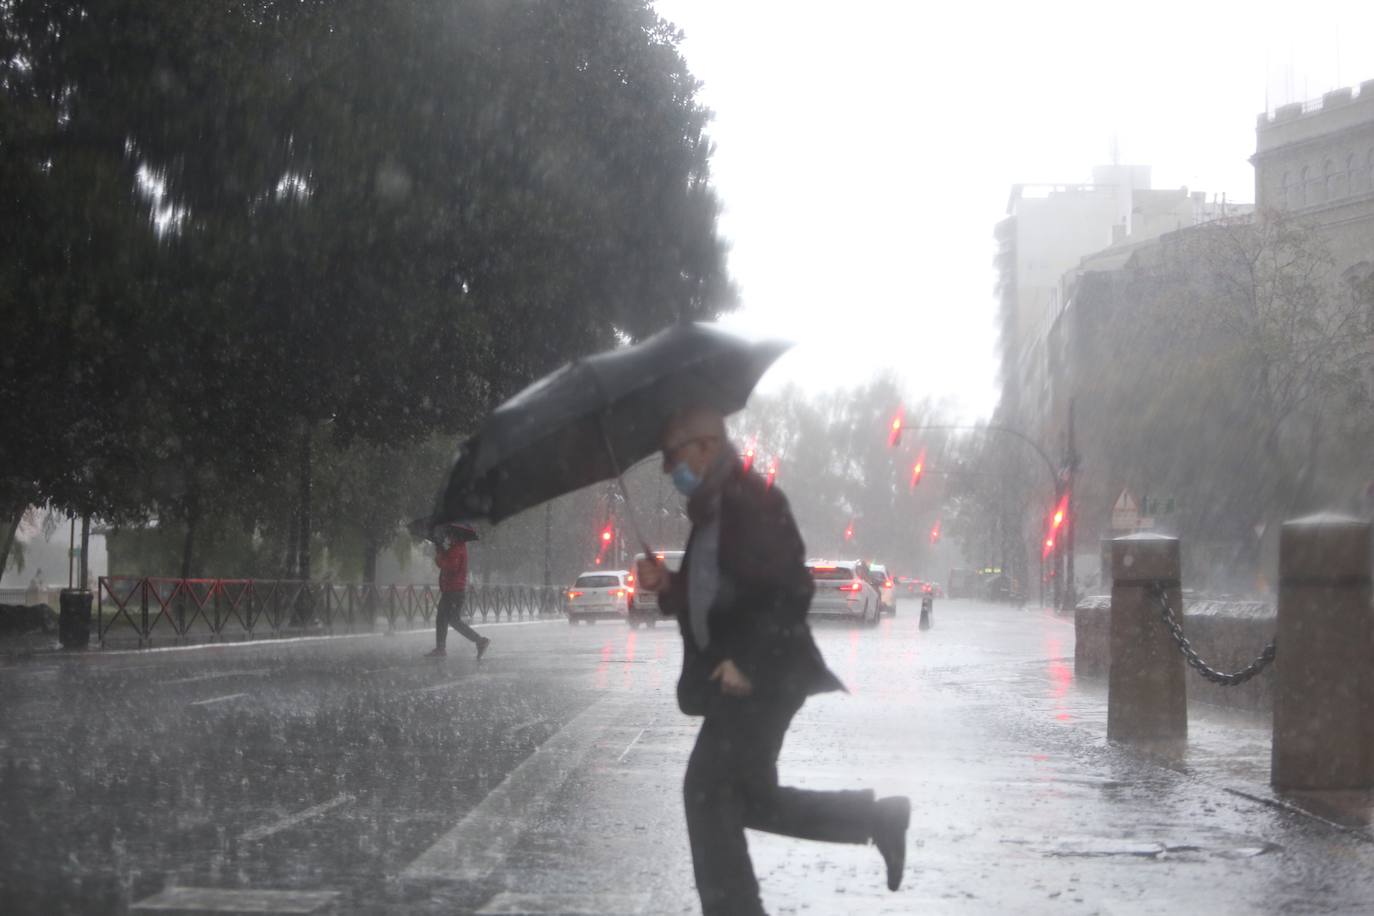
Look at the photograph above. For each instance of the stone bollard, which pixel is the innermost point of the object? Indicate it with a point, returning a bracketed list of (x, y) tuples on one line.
[(1147, 700), (927, 608), (1324, 693)]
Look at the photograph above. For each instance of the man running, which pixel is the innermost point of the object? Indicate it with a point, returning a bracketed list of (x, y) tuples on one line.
[(741, 597)]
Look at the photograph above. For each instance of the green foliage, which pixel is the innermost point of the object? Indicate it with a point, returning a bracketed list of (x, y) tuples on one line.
[(228, 226)]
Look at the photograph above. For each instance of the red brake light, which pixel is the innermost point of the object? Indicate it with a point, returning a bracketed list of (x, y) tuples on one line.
[(854, 586), (572, 594), (620, 593)]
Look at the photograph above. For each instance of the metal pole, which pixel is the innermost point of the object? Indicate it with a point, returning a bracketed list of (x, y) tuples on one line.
[(1070, 523), (548, 536), (85, 548)]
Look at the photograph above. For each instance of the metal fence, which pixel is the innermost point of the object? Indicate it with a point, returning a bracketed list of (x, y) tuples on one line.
[(144, 606)]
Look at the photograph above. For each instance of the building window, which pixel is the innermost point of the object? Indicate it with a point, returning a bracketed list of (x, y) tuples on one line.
[(1354, 177), (1303, 181), (1337, 182), (1331, 183)]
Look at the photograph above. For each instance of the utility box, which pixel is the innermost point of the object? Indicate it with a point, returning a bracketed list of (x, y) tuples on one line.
[(74, 619)]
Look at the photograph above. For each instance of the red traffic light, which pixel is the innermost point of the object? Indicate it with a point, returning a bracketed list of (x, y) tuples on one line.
[(748, 458), (935, 533), (772, 471), (918, 469), (894, 434)]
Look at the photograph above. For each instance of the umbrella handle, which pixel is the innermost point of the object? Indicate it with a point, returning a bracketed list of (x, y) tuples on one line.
[(620, 479)]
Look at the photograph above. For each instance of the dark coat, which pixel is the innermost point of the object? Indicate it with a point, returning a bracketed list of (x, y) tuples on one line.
[(761, 625)]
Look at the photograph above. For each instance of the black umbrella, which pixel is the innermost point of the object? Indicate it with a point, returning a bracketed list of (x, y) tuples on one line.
[(596, 416), (428, 528)]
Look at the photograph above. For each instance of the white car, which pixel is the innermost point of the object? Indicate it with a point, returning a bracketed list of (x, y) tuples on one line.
[(608, 593), (843, 590), (645, 608)]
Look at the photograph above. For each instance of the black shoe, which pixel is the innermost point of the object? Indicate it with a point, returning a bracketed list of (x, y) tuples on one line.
[(482, 644), (436, 652), (891, 816)]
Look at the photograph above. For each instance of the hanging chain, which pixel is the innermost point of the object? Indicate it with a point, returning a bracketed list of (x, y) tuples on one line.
[(1161, 597)]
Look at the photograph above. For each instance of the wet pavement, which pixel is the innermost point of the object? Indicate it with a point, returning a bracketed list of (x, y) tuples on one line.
[(352, 775)]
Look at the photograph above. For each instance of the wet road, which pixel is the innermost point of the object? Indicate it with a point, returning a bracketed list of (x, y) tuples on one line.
[(351, 775)]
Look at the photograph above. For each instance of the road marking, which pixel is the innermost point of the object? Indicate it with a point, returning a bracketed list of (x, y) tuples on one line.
[(225, 698), (291, 820), (288, 640), (507, 904), (434, 688), (230, 900), (629, 747), (245, 672), (480, 842)]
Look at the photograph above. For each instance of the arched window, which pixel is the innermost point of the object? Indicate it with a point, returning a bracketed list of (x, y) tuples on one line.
[(1331, 179), (1317, 193), (1303, 180), (1338, 185), (1355, 182), (1286, 196), (1369, 168)]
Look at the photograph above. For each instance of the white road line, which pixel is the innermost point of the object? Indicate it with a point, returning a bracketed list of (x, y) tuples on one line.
[(248, 672), (235, 900), (629, 747), (565, 904), (291, 820), (290, 640), (434, 688), (223, 699), (480, 842)]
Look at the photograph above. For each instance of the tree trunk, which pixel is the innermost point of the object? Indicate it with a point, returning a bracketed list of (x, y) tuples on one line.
[(303, 570), (288, 562), (188, 543), (9, 527), (83, 582), (370, 551)]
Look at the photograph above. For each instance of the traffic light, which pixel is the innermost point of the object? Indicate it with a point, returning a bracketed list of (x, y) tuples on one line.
[(748, 459), (935, 532), (849, 532), (1061, 512), (772, 471), (918, 469), (894, 433)]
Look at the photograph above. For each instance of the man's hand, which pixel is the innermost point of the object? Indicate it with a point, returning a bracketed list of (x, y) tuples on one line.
[(732, 680), (651, 575)]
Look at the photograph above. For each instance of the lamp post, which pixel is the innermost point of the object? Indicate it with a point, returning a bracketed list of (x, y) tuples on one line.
[(1062, 479)]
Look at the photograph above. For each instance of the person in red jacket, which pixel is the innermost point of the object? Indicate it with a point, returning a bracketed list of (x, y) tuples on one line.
[(451, 556)]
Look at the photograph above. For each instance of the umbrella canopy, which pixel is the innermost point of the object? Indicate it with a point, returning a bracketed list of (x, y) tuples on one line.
[(429, 528), (596, 416)]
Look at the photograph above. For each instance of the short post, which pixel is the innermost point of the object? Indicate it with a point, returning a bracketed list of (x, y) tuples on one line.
[(927, 606), (1147, 700), (1324, 695)]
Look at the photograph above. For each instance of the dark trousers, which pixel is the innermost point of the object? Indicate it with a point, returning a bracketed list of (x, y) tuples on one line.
[(732, 783), (450, 613)]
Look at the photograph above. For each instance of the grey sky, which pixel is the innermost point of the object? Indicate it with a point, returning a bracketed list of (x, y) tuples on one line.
[(865, 149)]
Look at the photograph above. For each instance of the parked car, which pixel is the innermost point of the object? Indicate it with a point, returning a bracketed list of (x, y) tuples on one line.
[(843, 590), (601, 594), (645, 608), (885, 586)]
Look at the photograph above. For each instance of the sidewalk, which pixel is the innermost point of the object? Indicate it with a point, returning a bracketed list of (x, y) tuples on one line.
[(1021, 806)]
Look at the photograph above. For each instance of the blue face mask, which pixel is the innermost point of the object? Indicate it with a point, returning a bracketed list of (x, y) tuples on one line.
[(683, 478)]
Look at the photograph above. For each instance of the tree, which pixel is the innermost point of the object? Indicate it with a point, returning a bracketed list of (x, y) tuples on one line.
[(241, 224)]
